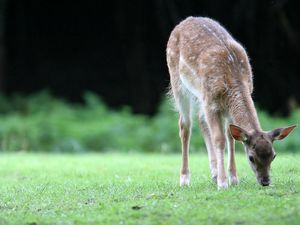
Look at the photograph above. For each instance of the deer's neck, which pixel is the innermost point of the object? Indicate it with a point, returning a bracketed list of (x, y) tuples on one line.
[(242, 111)]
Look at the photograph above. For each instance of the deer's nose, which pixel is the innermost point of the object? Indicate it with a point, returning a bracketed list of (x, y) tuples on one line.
[(265, 181)]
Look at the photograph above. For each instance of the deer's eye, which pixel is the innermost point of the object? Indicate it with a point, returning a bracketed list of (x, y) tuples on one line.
[(251, 158)]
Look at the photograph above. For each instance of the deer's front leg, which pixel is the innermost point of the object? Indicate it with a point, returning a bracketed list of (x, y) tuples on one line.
[(233, 179), (209, 147), (214, 122), (184, 133)]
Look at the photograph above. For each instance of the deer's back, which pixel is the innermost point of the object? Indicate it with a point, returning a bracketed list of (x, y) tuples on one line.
[(203, 54)]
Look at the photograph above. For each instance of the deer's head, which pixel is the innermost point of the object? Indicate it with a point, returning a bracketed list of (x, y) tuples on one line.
[(259, 149)]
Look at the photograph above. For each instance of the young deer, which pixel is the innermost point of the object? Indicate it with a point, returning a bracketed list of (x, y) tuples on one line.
[(208, 68)]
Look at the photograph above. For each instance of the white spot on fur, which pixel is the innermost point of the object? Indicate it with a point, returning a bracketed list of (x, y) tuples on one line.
[(170, 52), (202, 66)]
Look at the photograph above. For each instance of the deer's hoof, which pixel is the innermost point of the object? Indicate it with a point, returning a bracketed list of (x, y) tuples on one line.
[(184, 180), (222, 185), (233, 180)]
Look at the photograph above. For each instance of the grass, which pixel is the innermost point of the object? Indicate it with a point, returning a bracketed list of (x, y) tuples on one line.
[(140, 189)]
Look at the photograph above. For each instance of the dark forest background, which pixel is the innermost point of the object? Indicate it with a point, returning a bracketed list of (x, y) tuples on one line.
[(117, 49)]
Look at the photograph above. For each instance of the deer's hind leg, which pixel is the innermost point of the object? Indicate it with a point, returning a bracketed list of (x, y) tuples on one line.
[(183, 104)]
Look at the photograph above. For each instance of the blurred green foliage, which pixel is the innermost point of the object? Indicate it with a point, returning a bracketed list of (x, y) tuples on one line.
[(43, 123)]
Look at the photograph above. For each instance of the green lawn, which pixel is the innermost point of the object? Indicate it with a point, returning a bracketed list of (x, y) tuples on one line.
[(140, 189)]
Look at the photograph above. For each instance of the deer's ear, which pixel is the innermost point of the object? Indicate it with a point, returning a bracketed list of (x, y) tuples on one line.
[(238, 133), (280, 133)]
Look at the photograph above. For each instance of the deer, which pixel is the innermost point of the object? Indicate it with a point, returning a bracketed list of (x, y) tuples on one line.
[(210, 73)]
